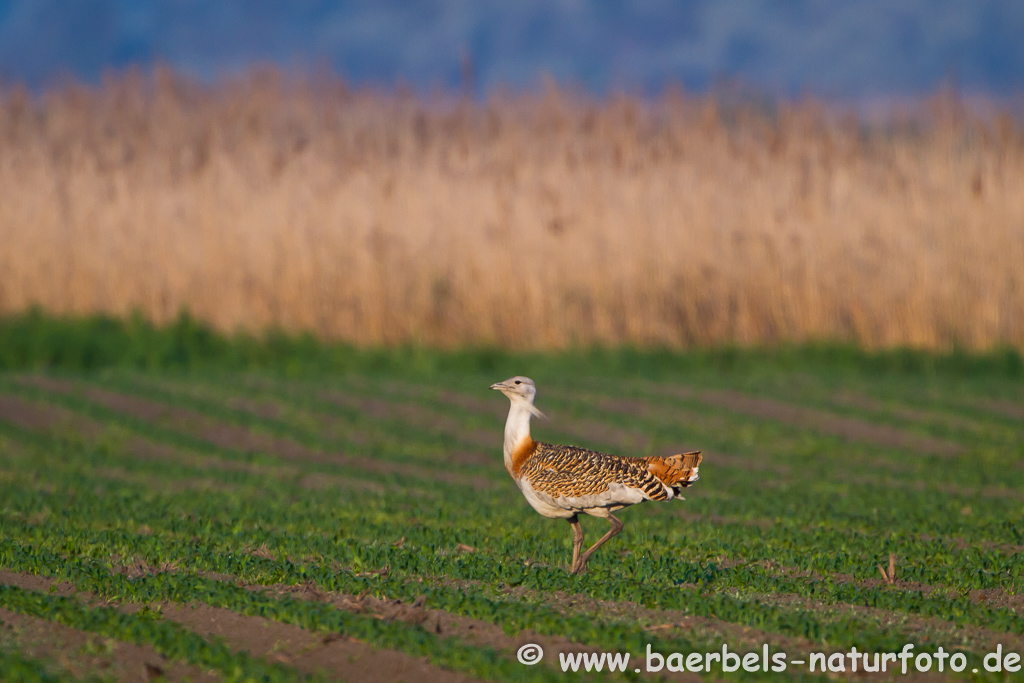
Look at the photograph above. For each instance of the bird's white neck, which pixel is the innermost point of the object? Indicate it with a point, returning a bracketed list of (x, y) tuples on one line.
[(517, 428)]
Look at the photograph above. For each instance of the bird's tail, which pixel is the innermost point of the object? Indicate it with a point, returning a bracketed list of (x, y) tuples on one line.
[(676, 471)]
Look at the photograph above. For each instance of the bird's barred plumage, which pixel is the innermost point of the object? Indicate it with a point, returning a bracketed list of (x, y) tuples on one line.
[(570, 472)]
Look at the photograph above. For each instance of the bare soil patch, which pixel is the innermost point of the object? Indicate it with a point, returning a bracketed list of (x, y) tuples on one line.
[(290, 645), (739, 637), (335, 654), (664, 622), (399, 406), (853, 399), (238, 437), (482, 444), (415, 415), (487, 403), (946, 488), (34, 582), (746, 638), (656, 621), (595, 433), (270, 410), (42, 417), (977, 638), (828, 423), (1009, 409), (45, 639), (83, 654), (45, 418), (330, 425), (822, 421), (1009, 548), (474, 632), (475, 404)]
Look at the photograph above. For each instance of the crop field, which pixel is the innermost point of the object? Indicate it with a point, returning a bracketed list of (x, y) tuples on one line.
[(209, 524)]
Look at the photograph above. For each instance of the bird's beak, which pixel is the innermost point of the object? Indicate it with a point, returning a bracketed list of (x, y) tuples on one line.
[(499, 386)]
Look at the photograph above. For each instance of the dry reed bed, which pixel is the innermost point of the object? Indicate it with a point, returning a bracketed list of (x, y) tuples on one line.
[(527, 220)]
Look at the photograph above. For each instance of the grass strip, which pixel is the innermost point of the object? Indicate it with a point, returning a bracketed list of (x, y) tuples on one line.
[(484, 662), (478, 601), (35, 339), (146, 627), (363, 519), (190, 588), (158, 433), (17, 668)]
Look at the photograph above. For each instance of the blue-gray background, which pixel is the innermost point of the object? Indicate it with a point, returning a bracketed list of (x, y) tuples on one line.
[(841, 48)]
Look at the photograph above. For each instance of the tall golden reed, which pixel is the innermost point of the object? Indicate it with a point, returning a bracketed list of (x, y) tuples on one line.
[(528, 220)]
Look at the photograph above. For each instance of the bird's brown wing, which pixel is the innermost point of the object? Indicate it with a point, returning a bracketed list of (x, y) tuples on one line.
[(572, 472)]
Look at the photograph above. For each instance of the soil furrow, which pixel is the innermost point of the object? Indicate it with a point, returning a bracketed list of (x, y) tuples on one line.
[(242, 438), (83, 654), (48, 418), (334, 654), (849, 428)]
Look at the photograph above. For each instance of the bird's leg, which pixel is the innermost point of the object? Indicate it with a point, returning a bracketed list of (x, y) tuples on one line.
[(577, 542), (616, 528)]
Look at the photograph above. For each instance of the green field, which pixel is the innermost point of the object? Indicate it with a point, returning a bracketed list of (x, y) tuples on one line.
[(353, 520)]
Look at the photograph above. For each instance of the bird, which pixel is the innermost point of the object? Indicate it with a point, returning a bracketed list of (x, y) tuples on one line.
[(560, 482)]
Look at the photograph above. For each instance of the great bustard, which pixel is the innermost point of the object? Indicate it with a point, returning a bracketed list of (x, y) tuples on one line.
[(562, 481)]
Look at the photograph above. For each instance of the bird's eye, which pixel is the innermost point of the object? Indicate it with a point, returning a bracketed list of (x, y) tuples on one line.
[(518, 382)]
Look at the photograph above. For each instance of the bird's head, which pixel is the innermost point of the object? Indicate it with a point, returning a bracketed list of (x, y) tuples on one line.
[(519, 390)]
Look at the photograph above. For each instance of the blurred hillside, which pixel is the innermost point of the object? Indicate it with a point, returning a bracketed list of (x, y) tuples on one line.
[(849, 50)]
